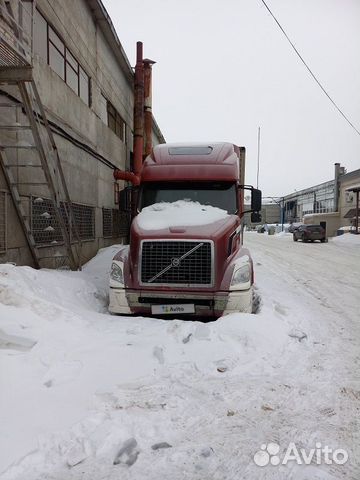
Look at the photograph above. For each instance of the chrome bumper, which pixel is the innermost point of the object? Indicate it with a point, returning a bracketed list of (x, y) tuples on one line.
[(128, 301)]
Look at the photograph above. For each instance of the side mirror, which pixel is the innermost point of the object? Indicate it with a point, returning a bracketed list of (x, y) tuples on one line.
[(255, 217), (255, 200)]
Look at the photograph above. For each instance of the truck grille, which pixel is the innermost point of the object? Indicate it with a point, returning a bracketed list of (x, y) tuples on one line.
[(176, 262)]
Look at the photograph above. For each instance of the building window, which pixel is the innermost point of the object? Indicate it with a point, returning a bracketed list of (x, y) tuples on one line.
[(84, 86), (56, 61), (53, 50), (44, 223), (45, 226), (85, 221), (120, 224), (349, 197), (115, 121), (3, 221), (40, 36), (107, 222), (115, 224), (103, 109)]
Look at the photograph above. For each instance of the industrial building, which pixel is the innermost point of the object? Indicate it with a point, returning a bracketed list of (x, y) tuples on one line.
[(67, 122), (270, 213), (334, 204)]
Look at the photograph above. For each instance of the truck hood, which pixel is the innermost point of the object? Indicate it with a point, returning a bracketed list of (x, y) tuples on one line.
[(209, 231), (225, 234)]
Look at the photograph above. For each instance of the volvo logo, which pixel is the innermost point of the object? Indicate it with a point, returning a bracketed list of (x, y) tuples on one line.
[(175, 262)]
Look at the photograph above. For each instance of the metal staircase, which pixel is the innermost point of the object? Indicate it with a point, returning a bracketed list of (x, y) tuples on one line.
[(28, 154)]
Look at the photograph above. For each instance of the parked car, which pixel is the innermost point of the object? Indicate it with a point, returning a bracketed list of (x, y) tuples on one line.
[(293, 227), (309, 233)]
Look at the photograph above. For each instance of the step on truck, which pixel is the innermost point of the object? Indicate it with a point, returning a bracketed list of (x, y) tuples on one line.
[(187, 269)]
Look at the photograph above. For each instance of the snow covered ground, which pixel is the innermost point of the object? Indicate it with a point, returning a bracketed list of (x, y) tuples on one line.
[(85, 395)]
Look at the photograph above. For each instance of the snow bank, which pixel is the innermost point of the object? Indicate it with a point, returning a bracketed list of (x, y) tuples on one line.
[(78, 384), (182, 213), (87, 395), (348, 239)]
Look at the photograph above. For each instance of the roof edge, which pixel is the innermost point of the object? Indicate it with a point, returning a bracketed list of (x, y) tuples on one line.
[(105, 23)]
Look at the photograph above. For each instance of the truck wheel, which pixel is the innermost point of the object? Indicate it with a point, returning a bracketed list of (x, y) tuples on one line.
[(322, 240)]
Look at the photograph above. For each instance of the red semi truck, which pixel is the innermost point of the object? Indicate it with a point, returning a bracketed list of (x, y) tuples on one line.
[(196, 270)]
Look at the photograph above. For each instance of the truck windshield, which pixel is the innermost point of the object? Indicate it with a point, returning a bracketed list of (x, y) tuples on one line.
[(217, 194)]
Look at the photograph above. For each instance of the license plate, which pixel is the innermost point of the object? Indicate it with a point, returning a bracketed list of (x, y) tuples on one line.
[(177, 308)]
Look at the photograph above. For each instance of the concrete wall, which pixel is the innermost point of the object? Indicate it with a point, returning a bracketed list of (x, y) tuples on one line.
[(81, 135), (332, 221), (270, 213)]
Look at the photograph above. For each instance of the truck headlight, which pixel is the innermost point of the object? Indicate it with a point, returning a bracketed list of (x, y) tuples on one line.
[(241, 278), (117, 274)]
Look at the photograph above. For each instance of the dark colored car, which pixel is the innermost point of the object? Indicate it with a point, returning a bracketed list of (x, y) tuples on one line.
[(293, 227), (309, 233)]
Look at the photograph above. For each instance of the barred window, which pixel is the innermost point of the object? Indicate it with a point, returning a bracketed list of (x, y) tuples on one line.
[(44, 223), (45, 226), (3, 220), (107, 222), (85, 220), (120, 224), (115, 224)]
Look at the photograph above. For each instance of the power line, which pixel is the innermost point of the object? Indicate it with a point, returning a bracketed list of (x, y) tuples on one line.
[(310, 71)]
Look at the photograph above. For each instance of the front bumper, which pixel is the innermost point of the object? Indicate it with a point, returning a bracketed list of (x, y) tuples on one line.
[(124, 301)]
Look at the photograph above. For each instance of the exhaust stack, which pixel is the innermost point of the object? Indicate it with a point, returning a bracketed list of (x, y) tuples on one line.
[(148, 105), (142, 117), (138, 109)]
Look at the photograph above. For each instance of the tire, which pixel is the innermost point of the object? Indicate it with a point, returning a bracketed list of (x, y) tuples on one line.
[(322, 240), (295, 239), (303, 239)]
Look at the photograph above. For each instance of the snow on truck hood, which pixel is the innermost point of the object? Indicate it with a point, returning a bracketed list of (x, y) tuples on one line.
[(181, 213)]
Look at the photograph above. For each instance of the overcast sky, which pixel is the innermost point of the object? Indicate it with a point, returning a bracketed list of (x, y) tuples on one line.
[(224, 68)]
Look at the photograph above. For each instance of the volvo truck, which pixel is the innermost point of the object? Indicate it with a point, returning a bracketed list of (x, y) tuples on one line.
[(189, 269)]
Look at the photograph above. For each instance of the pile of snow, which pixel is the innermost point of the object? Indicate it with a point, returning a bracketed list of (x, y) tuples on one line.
[(348, 239), (87, 395), (80, 387), (182, 213)]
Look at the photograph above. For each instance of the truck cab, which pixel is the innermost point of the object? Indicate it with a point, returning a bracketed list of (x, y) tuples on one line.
[(193, 262)]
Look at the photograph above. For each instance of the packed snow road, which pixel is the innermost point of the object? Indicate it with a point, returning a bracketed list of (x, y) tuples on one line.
[(85, 395)]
